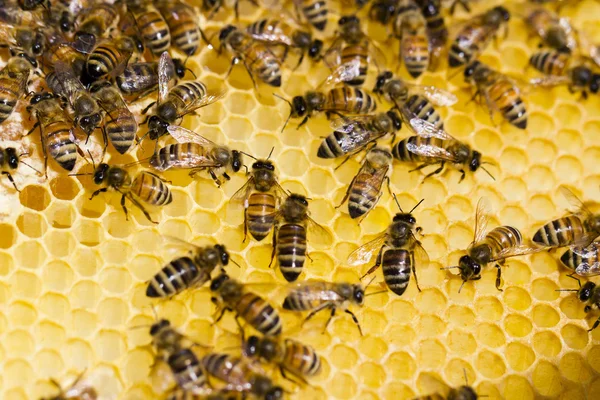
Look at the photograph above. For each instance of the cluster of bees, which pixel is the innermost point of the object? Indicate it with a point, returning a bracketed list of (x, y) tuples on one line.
[(89, 63)]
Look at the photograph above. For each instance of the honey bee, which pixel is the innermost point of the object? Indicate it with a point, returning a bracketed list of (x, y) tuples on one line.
[(190, 271), (59, 15), (141, 78), (26, 39), (414, 101), (289, 355), (588, 293), (166, 339), (87, 112), (152, 27), (241, 376), (63, 52), (93, 23), (558, 70), (315, 296), (55, 128), (11, 13), (436, 27), (119, 123), (365, 189), (188, 371), (278, 32), (256, 57), (13, 82), (110, 57), (314, 11), (186, 34), (555, 32), (175, 103), (145, 187), (9, 161), (193, 151), (342, 100), (232, 295), (410, 29), (435, 146), (260, 196), (494, 246), (352, 134), (577, 229), (289, 237), (499, 92), (583, 260), (398, 252), (475, 36), (79, 390)]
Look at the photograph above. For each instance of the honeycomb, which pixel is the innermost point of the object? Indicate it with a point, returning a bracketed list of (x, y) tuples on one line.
[(73, 271)]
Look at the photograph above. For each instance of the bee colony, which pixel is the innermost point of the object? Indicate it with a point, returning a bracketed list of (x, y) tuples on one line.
[(144, 180)]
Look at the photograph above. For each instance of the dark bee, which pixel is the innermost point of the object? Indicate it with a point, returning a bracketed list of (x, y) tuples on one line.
[(554, 31), (193, 151), (493, 246), (365, 189), (13, 82), (190, 271), (56, 129), (182, 20), (260, 197), (588, 293), (110, 56), (78, 390), (499, 92), (584, 261), (278, 32), (175, 103), (339, 101), (291, 356), (119, 123), (435, 146), (152, 27), (241, 376), (414, 101), (27, 40), (314, 11), (93, 23), (258, 60), (145, 187), (289, 236), (475, 36), (231, 295), (315, 296), (352, 134), (577, 229), (398, 252)]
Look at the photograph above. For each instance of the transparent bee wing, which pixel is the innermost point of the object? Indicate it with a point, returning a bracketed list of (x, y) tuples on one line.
[(201, 102), (332, 56), (343, 73), (351, 124), (585, 240), (314, 290), (175, 247), (437, 96), (431, 151), (515, 251), (588, 253), (578, 206), (364, 253), (421, 256), (7, 35), (166, 70), (565, 24), (69, 82), (427, 130), (190, 161), (482, 217), (318, 233), (550, 80), (183, 135), (242, 193)]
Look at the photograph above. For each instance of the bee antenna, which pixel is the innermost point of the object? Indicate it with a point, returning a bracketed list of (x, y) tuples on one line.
[(87, 173), (374, 293), (416, 205), (369, 284), (140, 326), (251, 156), (465, 375), (154, 311), (461, 286), (233, 261), (488, 172), (30, 166), (397, 202), (291, 110), (93, 162), (567, 290), (270, 153)]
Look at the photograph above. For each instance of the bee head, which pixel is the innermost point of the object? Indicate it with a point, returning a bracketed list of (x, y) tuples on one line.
[(581, 76), (157, 326), (382, 11), (157, 127), (65, 22), (315, 48), (396, 120), (236, 160), (100, 174), (475, 162), (406, 218), (358, 294), (223, 254), (466, 393), (298, 198), (299, 106), (218, 282), (274, 393), (89, 122), (39, 97), (499, 14), (586, 291), (470, 69), (226, 31), (350, 27), (251, 346), (263, 165), (469, 269), (11, 157), (595, 83), (381, 80), (39, 43), (179, 68)]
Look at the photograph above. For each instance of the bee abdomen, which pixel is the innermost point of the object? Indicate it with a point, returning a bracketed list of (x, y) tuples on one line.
[(138, 77), (352, 100), (315, 13), (302, 299), (151, 189), (178, 275), (264, 64), (59, 144), (291, 250), (584, 261), (507, 99), (102, 61), (363, 196), (186, 92), (185, 33), (155, 31), (330, 146), (396, 265), (168, 156), (187, 370), (549, 62), (417, 59), (261, 214), (503, 237), (259, 314), (360, 53), (301, 359), (9, 95), (121, 128), (560, 232), (423, 109)]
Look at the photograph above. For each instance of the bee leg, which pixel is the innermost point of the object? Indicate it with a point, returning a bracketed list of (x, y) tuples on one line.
[(377, 263), (35, 126), (498, 277), (212, 175), (245, 225), (355, 321), (275, 230), (414, 271), (462, 176), (437, 171), (305, 120), (145, 110), (240, 327), (105, 138), (97, 192), (347, 193), (221, 312), (301, 379), (315, 311), (122, 205), (140, 206), (10, 178), (595, 325), (333, 310)]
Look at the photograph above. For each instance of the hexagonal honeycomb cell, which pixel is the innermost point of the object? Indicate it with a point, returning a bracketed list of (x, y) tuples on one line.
[(73, 271)]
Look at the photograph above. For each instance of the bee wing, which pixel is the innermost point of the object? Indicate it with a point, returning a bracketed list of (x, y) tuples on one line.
[(421, 256), (7, 35), (176, 247), (332, 56), (427, 150), (318, 233), (313, 290), (585, 268), (427, 130), (437, 96), (578, 206), (166, 70), (242, 193), (202, 102), (550, 80), (69, 82), (183, 135), (364, 253), (352, 124), (565, 24), (482, 217), (517, 251), (190, 161), (343, 73)]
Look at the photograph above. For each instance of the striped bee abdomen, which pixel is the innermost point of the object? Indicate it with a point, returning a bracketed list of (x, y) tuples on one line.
[(584, 261), (505, 96), (363, 196), (259, 314), (302, 299), (178, 275), (10, 92), (315, 12), (396, 266), (154, 31), (549, 62), (178, 152), (415, 53), (358, 52), (264, 64), (421, 107), (187, 370), (503, 237), (185, 93), (121, 128), (183, 27), (103, 60), (351, 100), (59, 144), (300, 359), (260, 214), (151, 189), (291, 250), (560, 232)]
